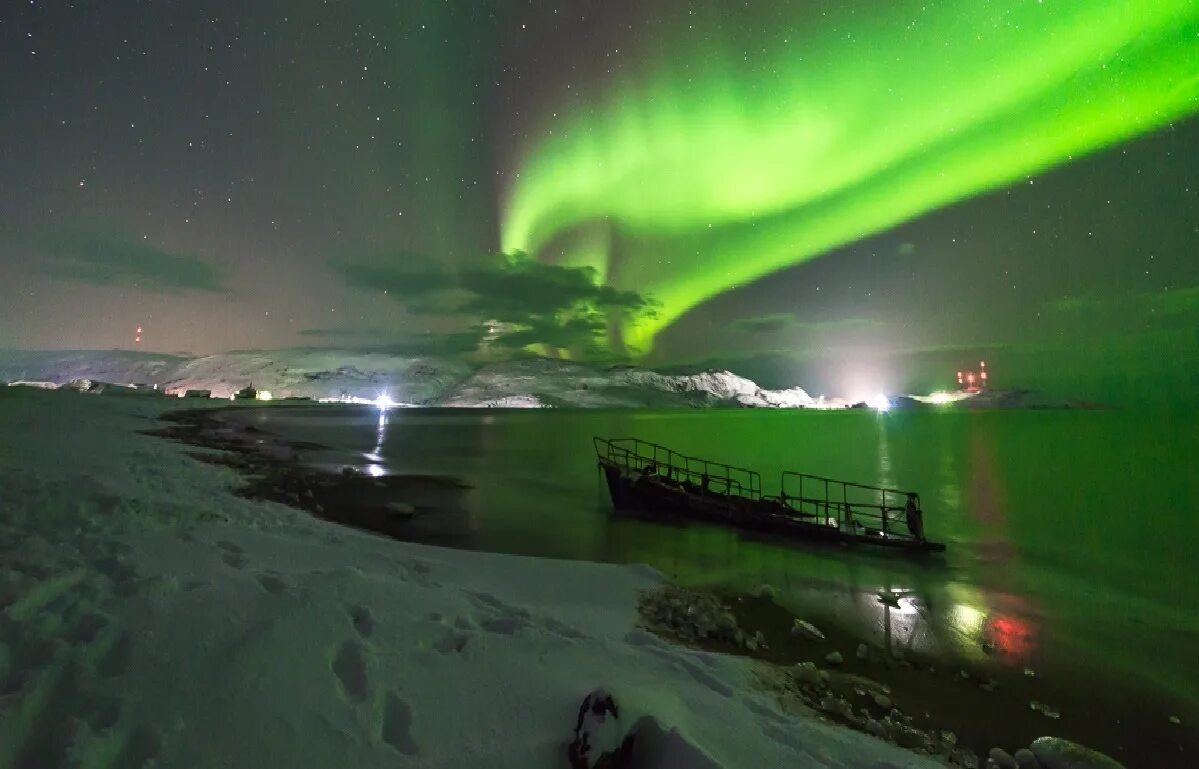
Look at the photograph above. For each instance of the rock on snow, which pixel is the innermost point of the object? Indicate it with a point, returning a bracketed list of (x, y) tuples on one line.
[(151, 617)]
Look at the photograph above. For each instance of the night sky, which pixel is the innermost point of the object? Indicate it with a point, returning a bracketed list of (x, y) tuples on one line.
[(851, 196)]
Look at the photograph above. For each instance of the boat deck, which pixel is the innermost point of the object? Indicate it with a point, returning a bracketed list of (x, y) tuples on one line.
[(650, 477)]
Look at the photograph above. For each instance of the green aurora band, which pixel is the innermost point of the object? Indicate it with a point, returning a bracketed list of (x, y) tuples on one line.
[(713, 161)]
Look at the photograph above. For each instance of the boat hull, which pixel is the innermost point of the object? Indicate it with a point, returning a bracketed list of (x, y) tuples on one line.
[(657, 496)]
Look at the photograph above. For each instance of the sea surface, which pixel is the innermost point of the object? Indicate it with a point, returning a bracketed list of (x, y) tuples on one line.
[(1073, 536)]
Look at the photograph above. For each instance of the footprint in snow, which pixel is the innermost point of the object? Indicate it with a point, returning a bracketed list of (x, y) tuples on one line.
[(396, 728), (363, 620), (349, 665), (272, 583)]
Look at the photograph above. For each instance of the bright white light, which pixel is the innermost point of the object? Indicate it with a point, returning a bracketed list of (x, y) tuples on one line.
[(967, 618), (879, 403), (265, 395), (384, 401), (375, 471)]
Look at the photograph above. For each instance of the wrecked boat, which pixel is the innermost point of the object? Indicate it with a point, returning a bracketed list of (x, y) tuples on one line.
[(648, 477)]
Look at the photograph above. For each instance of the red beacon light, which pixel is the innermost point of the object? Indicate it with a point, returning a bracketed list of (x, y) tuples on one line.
[(973, 381)]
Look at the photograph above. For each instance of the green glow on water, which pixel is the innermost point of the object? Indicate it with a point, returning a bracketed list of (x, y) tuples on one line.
[(714, 161)]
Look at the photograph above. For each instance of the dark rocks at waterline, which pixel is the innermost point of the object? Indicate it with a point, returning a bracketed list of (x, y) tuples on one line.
[(1025, 759), (402, 510), (808, 675), (387, 504), (694, 618), (1045, 710), (999, 758), (1057, 753), (802, 629), (864, 705), (764, 591)]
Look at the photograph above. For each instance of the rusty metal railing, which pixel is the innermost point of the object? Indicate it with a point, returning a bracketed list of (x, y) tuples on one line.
[(643, 457)]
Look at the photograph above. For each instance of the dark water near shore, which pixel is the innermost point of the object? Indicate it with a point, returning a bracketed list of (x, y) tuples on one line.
[(1072, 534)]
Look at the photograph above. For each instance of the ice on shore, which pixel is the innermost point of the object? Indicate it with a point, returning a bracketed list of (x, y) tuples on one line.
[(148, 616)]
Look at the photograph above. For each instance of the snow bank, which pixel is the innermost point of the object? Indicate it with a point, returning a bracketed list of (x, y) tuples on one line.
[(150, 617)]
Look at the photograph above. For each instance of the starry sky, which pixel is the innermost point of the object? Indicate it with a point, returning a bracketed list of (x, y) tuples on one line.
[(851, 196)]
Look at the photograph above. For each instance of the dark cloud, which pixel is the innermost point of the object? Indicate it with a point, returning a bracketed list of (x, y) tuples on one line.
[(376, 340), (524, 288), (812, 330), (112, 259), (765, 324), (582, 332), (438, 345), (532, 302)]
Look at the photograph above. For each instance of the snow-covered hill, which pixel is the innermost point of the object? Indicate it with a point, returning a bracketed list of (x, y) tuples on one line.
[(533, 382)]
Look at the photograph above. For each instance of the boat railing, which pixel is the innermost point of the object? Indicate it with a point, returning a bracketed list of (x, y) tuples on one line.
[(642, 457), (851, 507)]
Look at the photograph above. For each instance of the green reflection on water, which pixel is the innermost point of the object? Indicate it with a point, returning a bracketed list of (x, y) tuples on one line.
[(1071, 534)]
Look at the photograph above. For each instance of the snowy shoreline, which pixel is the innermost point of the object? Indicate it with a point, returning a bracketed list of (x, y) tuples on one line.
[(356, 376), (151, 615), (938, 705)]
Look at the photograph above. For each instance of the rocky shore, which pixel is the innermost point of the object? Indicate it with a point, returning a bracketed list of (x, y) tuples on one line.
[(867, 689)]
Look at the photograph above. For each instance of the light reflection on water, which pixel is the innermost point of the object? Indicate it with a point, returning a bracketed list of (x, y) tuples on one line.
[(376, 453), (1050, 550)]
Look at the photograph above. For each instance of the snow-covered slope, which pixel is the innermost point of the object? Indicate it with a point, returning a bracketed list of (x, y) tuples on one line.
[(319, 374), (562, 383), (62, 366), (149, 617), (530, 382)]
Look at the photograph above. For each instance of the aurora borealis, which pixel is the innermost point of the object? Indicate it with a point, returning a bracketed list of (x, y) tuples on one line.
[(851, 195), (729, 166)]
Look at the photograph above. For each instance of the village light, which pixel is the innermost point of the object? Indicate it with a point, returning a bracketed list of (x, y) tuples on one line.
[(879, 403)]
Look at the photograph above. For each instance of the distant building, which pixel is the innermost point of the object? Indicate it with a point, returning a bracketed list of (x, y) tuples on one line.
[(974, 381)]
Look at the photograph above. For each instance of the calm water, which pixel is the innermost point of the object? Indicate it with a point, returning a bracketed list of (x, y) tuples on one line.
[(1072, 535)]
